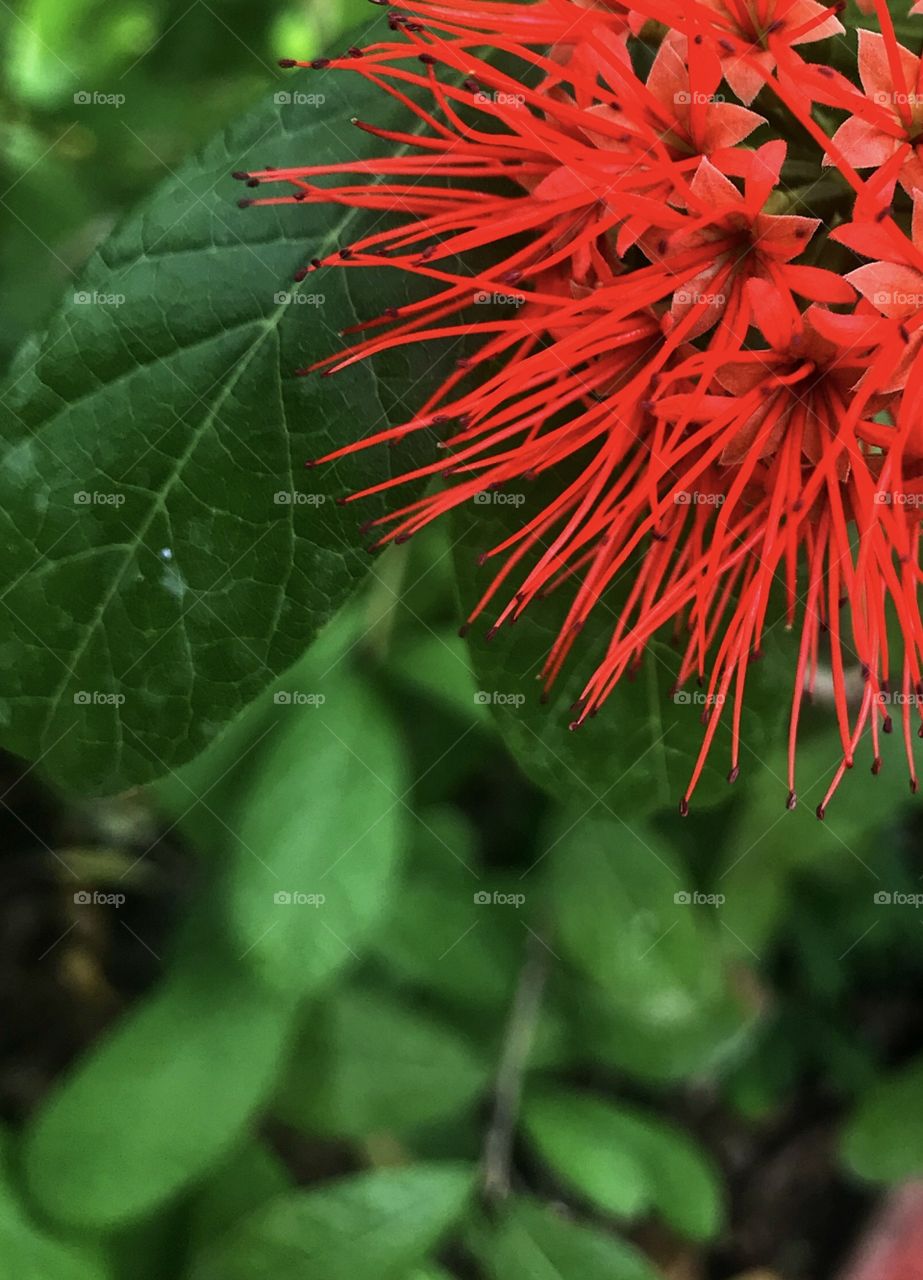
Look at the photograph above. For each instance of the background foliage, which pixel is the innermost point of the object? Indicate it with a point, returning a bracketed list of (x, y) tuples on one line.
[(384, 974)]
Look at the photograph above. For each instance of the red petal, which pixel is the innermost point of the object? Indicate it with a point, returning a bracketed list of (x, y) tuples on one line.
[(864, 145), (783, 236), (775, 321), (875, 69), (742, 76), (764, 172), (727, 124), (896, 291), (817, 284)]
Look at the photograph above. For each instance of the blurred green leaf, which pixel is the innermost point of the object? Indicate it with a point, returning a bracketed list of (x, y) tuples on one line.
[(767, 844), (579, 1141), (161, 1098), (243, 1182), (624, 1161), (59, 46), (372, 1226), (437, 936), (26, 1250), (650, 957), (436, 663), (320, 838), (168, 379), (534, 1242), (421, 1071), (883, 1140)]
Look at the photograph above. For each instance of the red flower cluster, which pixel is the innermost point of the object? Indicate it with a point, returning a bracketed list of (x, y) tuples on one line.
[(728, 412)]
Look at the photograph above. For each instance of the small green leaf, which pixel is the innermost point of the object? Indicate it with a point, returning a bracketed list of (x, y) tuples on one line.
[(321, 835), (883, 1141), (604, 1169), (534, 1242), (625, 1161), (166, 555), (421, 1072), (372, 1226), (161, 1099)]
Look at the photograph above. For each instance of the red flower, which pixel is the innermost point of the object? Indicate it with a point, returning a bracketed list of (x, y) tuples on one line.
[(892, 286), (752, 32), (744, 243), (711, 441), (891, 120)]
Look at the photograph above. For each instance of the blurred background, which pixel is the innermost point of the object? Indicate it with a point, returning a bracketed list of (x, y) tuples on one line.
[(689, 1050)]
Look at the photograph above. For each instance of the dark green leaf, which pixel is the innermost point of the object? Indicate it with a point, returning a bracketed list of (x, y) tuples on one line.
[(243, 1182), (373, 1226), (155, 580)]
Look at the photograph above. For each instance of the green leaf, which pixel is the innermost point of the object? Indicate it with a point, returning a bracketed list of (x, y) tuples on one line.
[(624, 1161), (767, 846), (638, 754), (28, 1252), (250, 1176), (650, 958), (421, 1071), (883, 1140), (533, 1242), (436, 936), (372, 1226), (321, 834), (155, 583), (597, 1163), (162, 1098)]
